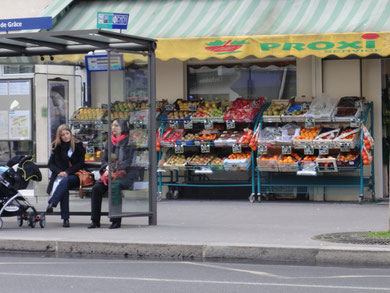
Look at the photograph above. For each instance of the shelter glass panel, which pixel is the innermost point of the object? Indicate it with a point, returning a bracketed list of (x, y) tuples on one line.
[(129, 110)]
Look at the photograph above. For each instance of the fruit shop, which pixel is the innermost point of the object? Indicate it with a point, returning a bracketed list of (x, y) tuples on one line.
[(207, 73)]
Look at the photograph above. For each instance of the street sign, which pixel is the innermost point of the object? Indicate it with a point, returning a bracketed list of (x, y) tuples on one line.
[(100, 62), (18, 24), (112, 20)]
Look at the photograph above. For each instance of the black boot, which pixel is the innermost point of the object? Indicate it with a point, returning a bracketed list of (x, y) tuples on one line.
[(115, 224), (94, 225), (49, 209), (66, 224)]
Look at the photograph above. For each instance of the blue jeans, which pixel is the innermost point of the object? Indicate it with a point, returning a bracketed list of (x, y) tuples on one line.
[(61, 194)]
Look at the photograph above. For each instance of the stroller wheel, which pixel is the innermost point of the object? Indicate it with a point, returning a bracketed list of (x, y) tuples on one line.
[(1, 223), (31, 220), (20, 220), (42, 220)]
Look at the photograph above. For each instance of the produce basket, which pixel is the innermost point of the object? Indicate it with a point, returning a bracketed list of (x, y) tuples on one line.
[(171, 136), (243, 110), (139, 116), (227, 138), (268, 136), (200, 159), (216, 164), (287, 134), (347, 136), (89, 114), (206, 136), (275, 110), (183, 105), (345, 114), (321, 108), (306, 136), (287, 163), (268, 162), (351, 101), (176, 162), (326, 135), (187, 139), (236, 165), (296, 111), (348, 160), (177, 116), (327, 163)]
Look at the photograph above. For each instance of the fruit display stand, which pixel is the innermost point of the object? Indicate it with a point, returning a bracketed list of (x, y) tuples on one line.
[(332, 152), (214, 137), (89, 126)]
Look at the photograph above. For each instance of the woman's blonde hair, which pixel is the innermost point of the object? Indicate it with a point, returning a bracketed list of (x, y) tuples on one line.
[(57, 141)]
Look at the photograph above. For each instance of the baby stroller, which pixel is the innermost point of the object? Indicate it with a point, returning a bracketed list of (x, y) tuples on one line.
[(14, 176)]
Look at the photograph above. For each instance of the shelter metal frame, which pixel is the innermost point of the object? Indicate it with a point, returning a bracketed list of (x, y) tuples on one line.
[(82, 42)]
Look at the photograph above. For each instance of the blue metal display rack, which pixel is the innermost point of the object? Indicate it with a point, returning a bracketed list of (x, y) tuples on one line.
[(268, 181), (174, 176)]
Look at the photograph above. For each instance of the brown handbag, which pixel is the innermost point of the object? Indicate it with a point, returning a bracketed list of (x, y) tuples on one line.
[(86, 179)]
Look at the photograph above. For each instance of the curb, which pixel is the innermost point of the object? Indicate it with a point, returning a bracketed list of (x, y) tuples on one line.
[(372, 257)]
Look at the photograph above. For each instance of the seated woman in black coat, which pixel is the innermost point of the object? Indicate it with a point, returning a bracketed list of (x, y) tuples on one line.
[(67, 157), (122, 155)]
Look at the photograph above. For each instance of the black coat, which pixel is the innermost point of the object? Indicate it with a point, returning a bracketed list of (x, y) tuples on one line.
[(59, 161), (121, 159)]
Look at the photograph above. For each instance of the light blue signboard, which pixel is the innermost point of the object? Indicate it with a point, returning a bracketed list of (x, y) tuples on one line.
[(112, 20), (17, 24), (99, 62)]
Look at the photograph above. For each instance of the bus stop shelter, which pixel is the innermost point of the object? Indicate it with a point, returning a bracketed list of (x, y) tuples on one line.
[(50, 43)]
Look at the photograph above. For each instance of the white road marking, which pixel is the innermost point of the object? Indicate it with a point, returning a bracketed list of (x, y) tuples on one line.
[(194, 281)]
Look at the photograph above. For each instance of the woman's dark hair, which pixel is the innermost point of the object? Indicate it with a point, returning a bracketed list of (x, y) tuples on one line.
[(124, 124)]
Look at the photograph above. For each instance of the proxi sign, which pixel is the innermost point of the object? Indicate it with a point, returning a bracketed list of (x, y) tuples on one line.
[(25, 23), (279, 46), (366, 44)]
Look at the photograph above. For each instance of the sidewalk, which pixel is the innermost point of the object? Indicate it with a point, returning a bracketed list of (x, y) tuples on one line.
[(267, 232)]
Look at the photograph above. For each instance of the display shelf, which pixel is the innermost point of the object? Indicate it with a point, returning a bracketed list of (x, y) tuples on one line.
[(178, 175), (333, 158)]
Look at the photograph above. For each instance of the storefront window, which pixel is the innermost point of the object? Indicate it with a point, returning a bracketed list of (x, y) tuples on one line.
[(18, 68), (228, 83), (15, 118)]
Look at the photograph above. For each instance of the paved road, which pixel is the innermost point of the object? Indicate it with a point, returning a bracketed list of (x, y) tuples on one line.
[(93, 275)]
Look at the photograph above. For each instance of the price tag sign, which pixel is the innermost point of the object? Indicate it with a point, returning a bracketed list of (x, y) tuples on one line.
[(179, 148), (188, 124), (99, 125), (355, 122), (230, 124), (309, 149), (205, 148), (169, 107), (236, 148), (174, 124), (90, 150), (138, 123), (305, 106), (345, 147), (263, 149), (255, 104), (324, 150), (309, 123), (286, 150), (208, 124), (192, 107)]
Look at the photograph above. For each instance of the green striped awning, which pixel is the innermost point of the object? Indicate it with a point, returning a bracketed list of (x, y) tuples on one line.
[(178, 19)]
